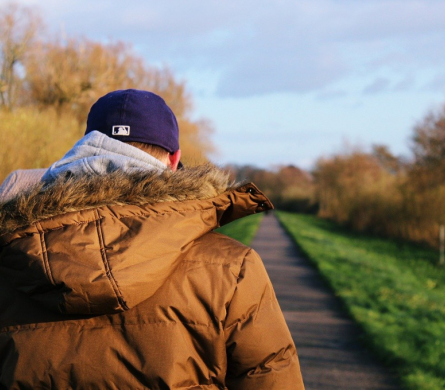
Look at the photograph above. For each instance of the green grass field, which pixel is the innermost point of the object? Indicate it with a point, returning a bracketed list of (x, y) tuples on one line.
[(243, 229), (395, 291)]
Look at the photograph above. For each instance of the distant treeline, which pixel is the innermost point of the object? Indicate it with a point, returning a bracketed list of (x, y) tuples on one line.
[(373, 191), (47, 86)]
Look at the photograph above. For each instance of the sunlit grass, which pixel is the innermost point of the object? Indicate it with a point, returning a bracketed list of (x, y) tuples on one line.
[(395, 291), (243, 229), (35, 139)]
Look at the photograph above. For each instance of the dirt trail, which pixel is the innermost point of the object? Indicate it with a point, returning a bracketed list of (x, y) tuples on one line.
[(327, 341)]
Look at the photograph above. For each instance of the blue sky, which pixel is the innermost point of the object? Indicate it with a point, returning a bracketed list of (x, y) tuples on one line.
[(284, 81)]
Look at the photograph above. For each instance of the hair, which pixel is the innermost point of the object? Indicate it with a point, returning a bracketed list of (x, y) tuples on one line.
[(155, 150)]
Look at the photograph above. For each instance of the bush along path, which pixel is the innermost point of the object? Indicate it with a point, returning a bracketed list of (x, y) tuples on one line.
[(331, 353)]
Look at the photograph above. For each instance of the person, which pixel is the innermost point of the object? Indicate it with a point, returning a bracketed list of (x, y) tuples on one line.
[(111, 274)]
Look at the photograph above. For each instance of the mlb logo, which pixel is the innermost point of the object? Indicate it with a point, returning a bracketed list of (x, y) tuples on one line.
[(120, 130)]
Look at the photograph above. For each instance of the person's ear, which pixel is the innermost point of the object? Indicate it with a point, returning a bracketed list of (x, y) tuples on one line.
[(174, 160)]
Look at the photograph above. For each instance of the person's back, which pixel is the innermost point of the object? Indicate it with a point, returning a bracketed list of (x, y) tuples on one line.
[(117, 280)]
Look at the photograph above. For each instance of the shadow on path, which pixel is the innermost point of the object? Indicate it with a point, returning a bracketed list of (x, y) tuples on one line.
[(327, 341)]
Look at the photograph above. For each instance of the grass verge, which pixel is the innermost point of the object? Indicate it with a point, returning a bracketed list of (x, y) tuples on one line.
[(242, 229), (393, 290)]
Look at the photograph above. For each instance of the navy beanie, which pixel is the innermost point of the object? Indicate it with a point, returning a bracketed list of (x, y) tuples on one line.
[(135, 115)]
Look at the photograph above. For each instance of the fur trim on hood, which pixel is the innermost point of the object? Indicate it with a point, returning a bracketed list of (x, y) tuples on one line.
[(75, 193)]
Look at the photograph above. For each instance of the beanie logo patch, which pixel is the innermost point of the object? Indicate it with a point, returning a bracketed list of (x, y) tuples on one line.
[(120, 130)]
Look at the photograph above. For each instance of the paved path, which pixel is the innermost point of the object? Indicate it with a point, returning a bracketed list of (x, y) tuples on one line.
[(331, 357)]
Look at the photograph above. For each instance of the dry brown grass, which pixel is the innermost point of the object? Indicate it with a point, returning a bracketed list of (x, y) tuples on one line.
[(35, 139)]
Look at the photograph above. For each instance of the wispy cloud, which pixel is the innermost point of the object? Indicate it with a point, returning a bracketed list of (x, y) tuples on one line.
[(380, 84)]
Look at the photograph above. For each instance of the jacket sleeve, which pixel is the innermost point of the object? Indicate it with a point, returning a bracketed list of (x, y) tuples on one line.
[(260, 351)]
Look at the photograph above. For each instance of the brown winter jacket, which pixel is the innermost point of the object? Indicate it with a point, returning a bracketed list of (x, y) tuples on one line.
[(118, 282)]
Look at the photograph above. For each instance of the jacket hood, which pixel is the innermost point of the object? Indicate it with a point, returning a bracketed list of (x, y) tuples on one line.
[(102, 244), (96, 153)]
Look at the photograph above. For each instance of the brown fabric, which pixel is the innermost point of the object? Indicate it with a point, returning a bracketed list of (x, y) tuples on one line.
[(103, 289)]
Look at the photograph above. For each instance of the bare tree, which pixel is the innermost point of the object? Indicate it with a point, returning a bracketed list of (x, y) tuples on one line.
[(70, 75), (18, 30), (429, 140), (386, 159)]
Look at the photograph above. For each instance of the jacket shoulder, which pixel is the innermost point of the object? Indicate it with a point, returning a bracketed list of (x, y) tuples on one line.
[(217, 249), (223, 239), (222, 247)]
